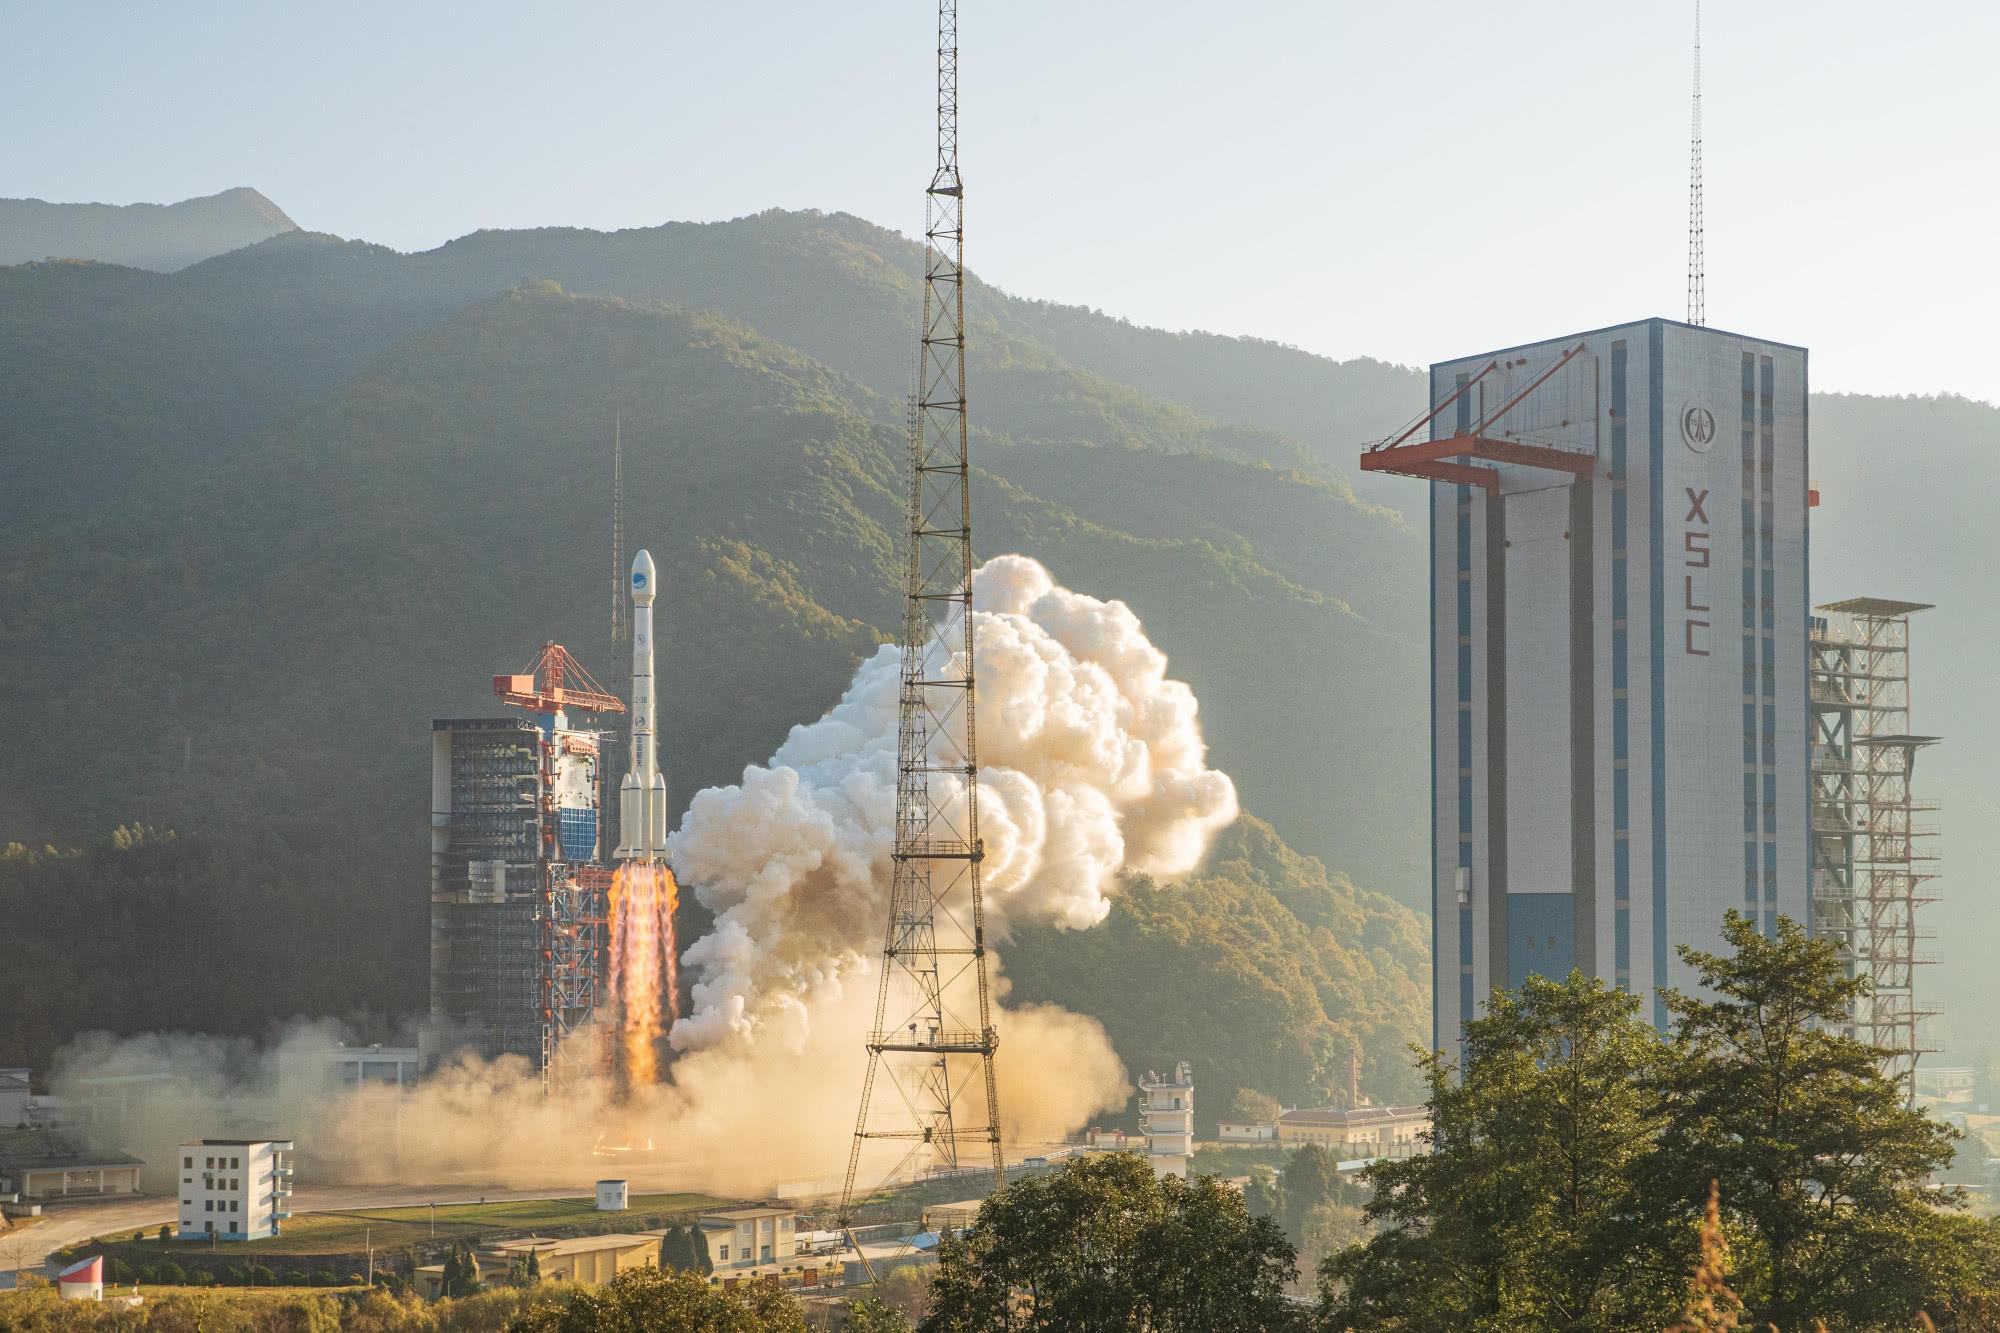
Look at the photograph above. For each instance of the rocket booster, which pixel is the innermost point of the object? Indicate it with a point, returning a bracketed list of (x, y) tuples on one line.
[(642, 796)]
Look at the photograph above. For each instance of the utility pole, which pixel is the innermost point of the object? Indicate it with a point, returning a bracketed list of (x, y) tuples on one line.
[(1697, 307), (933, 1036)]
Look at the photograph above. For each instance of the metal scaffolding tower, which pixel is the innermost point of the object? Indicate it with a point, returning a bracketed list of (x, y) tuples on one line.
[(1872, 856), (570, 914), (933, 1038)]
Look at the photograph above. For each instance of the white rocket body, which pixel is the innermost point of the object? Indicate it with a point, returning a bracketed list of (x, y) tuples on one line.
[(642, 796)]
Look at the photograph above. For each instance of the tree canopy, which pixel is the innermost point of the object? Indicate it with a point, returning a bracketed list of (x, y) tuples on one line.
[(1104, 1244), (1577, 1153)]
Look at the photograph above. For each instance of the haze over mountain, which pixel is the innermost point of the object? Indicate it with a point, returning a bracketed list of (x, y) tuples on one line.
[(290, 503), (163, 237)]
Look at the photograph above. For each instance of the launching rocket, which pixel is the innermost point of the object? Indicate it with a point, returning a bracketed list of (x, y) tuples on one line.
[(642, 797)]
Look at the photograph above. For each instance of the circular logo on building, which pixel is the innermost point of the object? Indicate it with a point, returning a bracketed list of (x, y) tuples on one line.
[(638, 580), (1697, 427)]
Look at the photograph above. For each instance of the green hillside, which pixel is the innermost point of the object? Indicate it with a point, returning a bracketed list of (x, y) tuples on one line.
[(1268, 967), (319, 590), (285, 506), (498, 423)]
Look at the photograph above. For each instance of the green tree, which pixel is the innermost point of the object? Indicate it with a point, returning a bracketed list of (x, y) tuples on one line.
[(1818, 1158), (1311, 1178), (534, 1273), (1104, 1244), (652, 1300), (870, 1315), (683, 1247), (461, 1272), (1523, 1215), (1250, 1104), (1260, 1196)]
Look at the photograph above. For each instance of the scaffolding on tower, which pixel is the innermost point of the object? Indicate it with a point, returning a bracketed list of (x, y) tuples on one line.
[(1873, 857), (571, 918)]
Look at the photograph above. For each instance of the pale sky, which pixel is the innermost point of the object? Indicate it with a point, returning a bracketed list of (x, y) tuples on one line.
[(1403, 179)]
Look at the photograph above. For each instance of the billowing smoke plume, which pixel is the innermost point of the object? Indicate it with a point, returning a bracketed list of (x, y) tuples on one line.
[(1092, 763)]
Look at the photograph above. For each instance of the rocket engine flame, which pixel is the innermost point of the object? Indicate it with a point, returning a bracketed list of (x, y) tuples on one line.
[(645, 981)]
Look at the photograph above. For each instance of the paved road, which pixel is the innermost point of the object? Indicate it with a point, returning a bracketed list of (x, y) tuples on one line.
[(67, 1223)]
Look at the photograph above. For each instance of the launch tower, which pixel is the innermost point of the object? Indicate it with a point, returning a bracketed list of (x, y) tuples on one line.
[(517, 894)]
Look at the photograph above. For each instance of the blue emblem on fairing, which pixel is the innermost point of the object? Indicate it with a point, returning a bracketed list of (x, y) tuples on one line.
[(638, 580)]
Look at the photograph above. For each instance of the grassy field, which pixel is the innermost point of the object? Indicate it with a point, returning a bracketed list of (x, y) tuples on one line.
[(347, 1232), (392, 1229)]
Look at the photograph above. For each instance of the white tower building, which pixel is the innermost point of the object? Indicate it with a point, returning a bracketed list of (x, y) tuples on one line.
[(1618, 654), (1167, 1105)]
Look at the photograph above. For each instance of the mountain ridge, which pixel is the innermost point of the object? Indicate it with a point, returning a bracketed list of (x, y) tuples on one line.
[(160, 237)]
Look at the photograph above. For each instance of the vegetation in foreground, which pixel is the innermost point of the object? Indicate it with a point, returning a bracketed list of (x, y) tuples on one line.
[(1577, 1155), (1750, 1168)]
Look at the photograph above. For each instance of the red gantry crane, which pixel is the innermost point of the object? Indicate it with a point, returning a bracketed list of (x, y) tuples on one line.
[(571, 916)]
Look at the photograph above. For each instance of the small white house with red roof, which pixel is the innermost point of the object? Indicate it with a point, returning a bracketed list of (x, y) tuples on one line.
[(82, 1280)]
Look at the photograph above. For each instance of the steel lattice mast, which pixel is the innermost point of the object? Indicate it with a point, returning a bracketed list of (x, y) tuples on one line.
[(933, 1038), (1697, 311)]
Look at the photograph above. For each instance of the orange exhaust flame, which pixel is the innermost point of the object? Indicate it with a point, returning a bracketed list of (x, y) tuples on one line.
[(645, 979)]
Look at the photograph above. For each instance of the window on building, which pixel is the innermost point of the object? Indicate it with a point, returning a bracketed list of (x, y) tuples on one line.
[(725, 1254), (187, 1163), (211, 1164), (208, 1205)]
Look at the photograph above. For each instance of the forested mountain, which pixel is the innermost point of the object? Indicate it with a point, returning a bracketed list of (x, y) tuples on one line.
[(301, 598), (204, 370), (155, 236), (1271, 968), (279, 509)]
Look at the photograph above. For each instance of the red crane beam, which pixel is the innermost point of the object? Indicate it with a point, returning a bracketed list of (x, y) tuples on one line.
[(546, 685)]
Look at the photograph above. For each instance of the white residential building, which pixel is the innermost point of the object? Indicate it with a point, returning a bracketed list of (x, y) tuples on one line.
[(1246, 1131), (1167, 1106), (235, 1189)]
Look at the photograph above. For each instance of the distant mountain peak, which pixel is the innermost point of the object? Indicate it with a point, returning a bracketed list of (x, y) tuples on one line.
[(162, 237)]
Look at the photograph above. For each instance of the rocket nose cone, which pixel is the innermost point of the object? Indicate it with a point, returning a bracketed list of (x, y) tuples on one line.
[(642, 579)]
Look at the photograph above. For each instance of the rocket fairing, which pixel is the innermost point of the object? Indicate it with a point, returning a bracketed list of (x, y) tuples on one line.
[(642, 796)]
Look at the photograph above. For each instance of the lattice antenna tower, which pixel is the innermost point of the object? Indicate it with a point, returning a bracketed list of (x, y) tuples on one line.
[(930, 1090), (1697, 309), (619, 592)]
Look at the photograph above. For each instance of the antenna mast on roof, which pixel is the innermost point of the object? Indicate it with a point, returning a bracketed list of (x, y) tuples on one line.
[(1697, 308)]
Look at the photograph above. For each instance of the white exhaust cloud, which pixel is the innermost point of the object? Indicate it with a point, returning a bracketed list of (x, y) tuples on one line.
[(1092, 764)]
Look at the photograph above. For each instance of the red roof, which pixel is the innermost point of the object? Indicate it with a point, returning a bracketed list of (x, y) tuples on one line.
[(84, 1272)]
